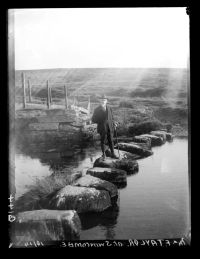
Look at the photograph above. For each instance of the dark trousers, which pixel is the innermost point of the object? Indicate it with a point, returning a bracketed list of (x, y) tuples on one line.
[(107, 138)]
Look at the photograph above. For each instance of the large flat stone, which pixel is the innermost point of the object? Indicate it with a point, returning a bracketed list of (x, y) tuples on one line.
[(81, 199), (160, 134), (169, 136), (135, 149), (165, 135), (146, 146), (97, 183), (112, 175), (44, 225), (123, 154), (142, 139), (143, 142), (130, 166), (155, 140)]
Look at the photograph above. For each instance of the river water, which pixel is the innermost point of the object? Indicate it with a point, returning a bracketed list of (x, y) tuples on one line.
[(154, 204)]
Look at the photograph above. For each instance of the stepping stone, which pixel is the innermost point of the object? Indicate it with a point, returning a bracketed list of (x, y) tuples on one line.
[(46, 225), (123, 154), (146, 146), (155, 140), (97, 183), (142, 139), (169, 136), (113, 175), (135, 149), (130, 166), (81, 199), (160, 134), (141, 142), (165, 135)]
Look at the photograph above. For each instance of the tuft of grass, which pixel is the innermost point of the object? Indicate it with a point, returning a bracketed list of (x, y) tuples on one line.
[(41, 189)]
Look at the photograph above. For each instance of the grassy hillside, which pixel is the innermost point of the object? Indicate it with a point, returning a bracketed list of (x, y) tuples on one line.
[(137, 94), (112, 81)]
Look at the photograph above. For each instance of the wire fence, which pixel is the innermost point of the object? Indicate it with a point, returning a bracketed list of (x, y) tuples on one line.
[(50, 94)]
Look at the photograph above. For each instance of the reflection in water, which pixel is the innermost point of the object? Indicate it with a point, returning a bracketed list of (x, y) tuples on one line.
[(106, 219), (58, 156)]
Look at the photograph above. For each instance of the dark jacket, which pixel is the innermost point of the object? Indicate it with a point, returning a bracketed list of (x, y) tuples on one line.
[(103, 119)]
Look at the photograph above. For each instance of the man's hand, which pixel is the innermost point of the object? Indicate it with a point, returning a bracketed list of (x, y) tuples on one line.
[(115, 124)]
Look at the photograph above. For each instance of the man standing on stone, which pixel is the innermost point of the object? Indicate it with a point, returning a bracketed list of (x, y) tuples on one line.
[(105, 125)]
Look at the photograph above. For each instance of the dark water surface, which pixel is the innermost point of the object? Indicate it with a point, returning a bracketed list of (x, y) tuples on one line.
[(154, 204)]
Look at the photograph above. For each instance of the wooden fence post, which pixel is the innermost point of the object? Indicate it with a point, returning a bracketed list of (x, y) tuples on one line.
[(29, 90), (24, 90), (88, 105), (48, 98), (66, 99), (89, 110)]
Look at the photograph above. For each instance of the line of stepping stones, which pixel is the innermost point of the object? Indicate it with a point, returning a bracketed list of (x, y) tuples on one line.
[(96, 191)]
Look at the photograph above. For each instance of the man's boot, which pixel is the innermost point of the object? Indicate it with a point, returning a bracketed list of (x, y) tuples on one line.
[(104, 156), (113, 154), (103, 151)]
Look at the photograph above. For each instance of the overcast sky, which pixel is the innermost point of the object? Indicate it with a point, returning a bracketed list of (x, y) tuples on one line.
[(101, 37)]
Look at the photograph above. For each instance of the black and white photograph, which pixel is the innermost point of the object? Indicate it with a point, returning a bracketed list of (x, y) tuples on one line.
[(99, 136)]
